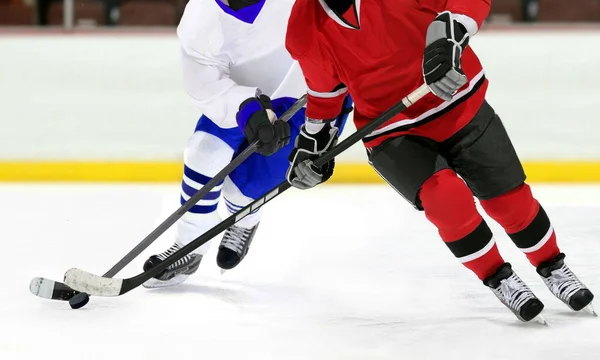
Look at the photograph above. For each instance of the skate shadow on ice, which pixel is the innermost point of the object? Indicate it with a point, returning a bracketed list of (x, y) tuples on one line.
[(241, 294), (235, 294)]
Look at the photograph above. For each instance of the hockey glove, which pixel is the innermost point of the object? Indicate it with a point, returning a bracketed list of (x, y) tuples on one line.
[(446, 39), (302, 173), (257, 120)]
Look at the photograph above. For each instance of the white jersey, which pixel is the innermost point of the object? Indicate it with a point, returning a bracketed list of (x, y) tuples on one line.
[(225, 59)]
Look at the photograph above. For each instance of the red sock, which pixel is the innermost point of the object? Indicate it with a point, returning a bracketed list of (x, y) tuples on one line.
[(526, 222), (449, 205)]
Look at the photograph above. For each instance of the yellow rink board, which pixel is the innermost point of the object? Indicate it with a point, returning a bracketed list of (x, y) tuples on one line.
[(547, 171)]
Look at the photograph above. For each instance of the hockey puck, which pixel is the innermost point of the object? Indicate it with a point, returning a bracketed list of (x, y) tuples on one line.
[(78, 301)]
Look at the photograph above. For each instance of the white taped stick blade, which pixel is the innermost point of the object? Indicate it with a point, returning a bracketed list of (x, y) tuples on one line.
[(42, 287), (91, 284)]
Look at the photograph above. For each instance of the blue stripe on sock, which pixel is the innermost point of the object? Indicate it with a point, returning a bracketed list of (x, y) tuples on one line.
[(196, 176), (232, 207), (229, 203), (190, 191), (200, 209)]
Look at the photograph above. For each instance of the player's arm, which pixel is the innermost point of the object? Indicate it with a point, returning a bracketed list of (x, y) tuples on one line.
[(206, 67), (446, 39), (206, 70), (229, 105), (326, 96), (206, 80)]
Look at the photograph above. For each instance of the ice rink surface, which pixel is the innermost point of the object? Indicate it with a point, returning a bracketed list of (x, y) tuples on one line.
[(338, 272)]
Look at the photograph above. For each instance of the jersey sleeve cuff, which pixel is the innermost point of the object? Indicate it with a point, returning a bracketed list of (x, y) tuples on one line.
[(313, 127)]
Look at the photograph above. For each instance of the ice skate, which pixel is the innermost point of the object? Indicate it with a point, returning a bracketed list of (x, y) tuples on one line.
[(565, 285), (175, 273), (515, 294), (234, 246)]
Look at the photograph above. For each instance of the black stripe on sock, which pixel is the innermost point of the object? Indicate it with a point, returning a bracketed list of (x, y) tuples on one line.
[(534, 232), (473, 242)]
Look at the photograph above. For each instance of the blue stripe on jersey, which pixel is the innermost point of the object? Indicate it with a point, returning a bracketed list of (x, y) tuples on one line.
[(190, 191), (200, 209), (196, 176)]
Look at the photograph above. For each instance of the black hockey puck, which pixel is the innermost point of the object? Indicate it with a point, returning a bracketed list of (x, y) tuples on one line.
[(79, 300)]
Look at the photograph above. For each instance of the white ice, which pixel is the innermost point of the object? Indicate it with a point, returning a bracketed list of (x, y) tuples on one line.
[(338, 272)]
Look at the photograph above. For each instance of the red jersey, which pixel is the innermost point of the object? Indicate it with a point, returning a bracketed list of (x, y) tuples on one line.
[(375, 51)]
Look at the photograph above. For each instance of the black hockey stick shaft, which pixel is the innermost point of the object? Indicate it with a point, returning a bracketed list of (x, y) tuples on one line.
[(168, 222), (132, 283)]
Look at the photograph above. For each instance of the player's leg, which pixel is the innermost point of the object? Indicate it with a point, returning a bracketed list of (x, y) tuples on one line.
[(208, 150), (237, 239), (414, 167), (251, 180), (254, 178), (484, 156)]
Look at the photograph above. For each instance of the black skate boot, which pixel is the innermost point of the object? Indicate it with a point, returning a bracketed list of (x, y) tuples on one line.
[(515, 294), (234, 246), (174, 274), (565, 285)]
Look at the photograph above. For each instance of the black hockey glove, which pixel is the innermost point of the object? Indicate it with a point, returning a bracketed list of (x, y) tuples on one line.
[(257, 120), (302, 173), (446, 39)]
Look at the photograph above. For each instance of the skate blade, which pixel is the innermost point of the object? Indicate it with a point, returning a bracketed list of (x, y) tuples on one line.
[(223, 271), (157, 284), (590, 310), (541, 320)]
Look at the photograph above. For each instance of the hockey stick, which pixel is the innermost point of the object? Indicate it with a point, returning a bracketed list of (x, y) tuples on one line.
[(102, 286), (51, 289)]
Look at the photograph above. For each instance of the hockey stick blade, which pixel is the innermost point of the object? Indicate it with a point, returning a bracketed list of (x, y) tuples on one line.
[(50, 289), (61, 291), (101, 286), (93, 284)]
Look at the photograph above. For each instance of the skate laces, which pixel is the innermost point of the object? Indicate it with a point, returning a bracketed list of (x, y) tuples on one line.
[(514, 292), (235, 238), (170, 251), (563, 283)]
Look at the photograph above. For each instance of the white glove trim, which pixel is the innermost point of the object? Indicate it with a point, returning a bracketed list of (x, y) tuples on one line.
[(468, 23)]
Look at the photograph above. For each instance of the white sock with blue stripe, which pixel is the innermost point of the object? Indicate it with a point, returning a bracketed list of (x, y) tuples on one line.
[(235, 201), (204, 157)]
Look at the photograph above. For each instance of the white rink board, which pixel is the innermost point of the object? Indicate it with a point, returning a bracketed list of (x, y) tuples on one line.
[(384, 288), (120, 97)]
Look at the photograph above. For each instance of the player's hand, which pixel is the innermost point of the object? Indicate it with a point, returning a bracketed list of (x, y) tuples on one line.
[(446, 39), (302, 173), (257, 120)]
